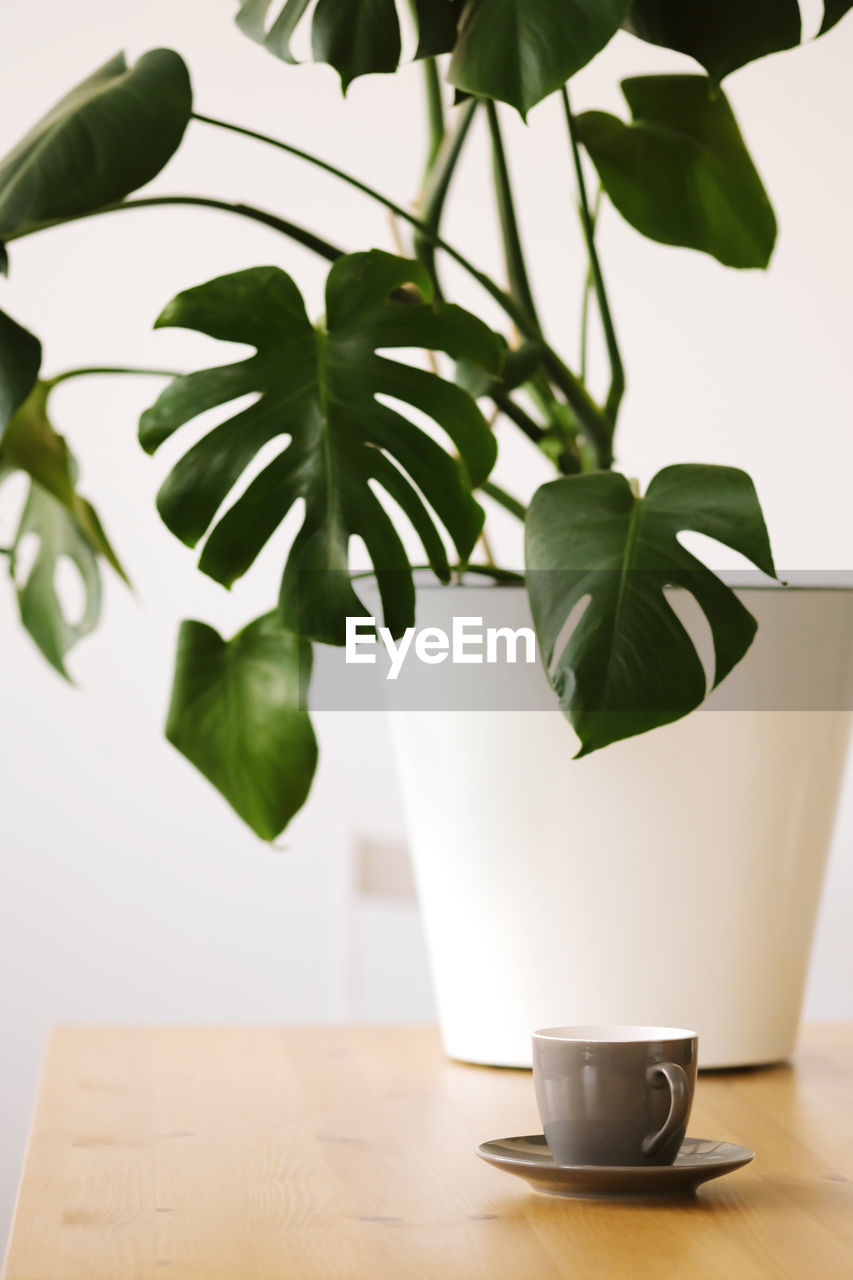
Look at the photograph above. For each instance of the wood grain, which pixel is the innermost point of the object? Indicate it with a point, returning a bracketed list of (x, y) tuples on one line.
[(347, 1154)]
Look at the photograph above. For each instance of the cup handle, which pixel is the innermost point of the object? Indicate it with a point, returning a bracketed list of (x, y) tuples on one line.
[(679, 1105)]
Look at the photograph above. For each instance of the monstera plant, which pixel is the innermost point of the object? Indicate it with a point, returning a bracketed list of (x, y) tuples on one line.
[(674, 165)]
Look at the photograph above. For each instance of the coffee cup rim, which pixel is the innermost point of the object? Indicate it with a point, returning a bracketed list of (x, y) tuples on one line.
[(612, 1033)]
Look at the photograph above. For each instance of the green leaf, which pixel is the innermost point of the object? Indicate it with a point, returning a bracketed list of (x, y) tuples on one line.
[(42, 613), (31, 444), (317, 390), (721, 34), (356, 37), (833, 12), (108, 136), (20, 361), (518, 366), (519, 51), (436, 21), (680, 173), (628, 664), (236, 713), (64, 524)]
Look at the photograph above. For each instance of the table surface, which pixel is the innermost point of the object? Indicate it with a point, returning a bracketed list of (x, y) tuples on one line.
[(348, 1154)]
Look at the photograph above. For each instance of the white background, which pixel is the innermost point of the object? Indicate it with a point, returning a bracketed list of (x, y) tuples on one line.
[(129, 891)]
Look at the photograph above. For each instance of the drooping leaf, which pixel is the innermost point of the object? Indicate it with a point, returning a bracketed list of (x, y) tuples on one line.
[(519, 51), (680, 173), (436, 21), (318, 388), (108, 136), (31, 444), (833, 12), (64, 525), (629, 665), (236, 714), (20, 361), (720, 34), (252, 19), (356, 37), (42, 611)]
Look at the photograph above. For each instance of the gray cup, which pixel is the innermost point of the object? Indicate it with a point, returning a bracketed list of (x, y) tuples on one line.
[(614, 1095)]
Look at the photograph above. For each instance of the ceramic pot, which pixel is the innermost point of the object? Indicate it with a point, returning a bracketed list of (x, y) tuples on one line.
[(671, 879)]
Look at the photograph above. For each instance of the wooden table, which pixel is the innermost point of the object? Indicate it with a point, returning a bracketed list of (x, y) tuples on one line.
[(348, 1154)]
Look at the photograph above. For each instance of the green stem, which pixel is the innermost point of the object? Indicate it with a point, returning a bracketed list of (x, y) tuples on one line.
[(588, 289), (517, 415), (290, 229), (504, 499), (86, 372), (437, 185), (509, 576), (435, 110), (519, 282), (617, 370)]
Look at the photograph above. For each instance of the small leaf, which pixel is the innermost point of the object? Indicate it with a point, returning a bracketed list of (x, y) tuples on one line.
[(252, 22), (833, 12), (32, 445), (42, 613), (436, 22), (519, 365), (519, 51), (680, 173), (720, 34), (20, 361), (318, 391), (629, 665), (236, 713), (356, 37), (108, 136)]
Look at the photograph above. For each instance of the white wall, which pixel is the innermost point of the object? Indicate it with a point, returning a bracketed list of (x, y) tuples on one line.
[(129, 890)]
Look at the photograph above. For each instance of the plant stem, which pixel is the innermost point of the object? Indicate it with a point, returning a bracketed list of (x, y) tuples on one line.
[(435, 110), (290, 229), (617, 370), (437, 185), (68, 374), (504, 499), (588, 289), (516, 414), (519, 282), (510, 576)]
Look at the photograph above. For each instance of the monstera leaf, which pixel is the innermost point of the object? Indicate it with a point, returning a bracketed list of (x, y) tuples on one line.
[(680, 173), (721, 34), (20, 361), (628, 664), (519, 51), (236, 714), (356, 37), (64, 525), (834, 11), (436, 21), (108, 136), (318, 389)]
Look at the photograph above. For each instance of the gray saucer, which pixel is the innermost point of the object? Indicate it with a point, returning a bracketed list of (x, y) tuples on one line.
[(697, 1161)]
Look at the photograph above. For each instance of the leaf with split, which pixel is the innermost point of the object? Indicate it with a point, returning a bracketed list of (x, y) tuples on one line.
[(519, 51), (680, 173), (833, 12), (720, 34), (107, 137), (64, 525), (20, 361), (318, 389), (629, 665), (356, 37), (236, 713)]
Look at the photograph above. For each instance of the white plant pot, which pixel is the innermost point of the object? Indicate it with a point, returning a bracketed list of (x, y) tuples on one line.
[(670, 879)]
